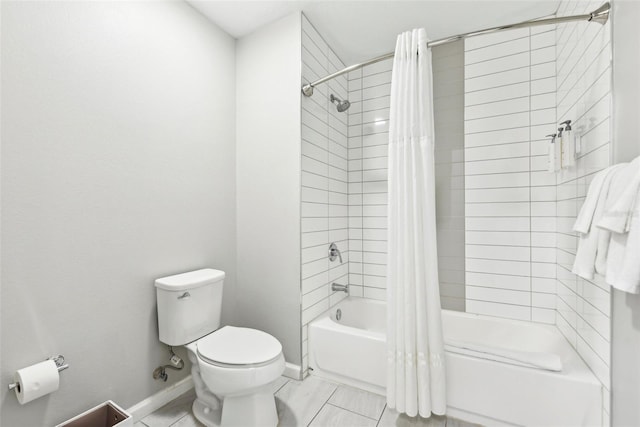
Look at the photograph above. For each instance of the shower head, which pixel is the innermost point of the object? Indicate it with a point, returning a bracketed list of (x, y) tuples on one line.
[(340, 104)]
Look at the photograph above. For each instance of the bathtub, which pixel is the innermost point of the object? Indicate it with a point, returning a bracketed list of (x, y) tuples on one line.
[(493, 388)]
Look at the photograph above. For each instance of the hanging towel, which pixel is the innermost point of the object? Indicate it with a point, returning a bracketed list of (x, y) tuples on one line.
[(623, 263), (585, 217), (618, 213), (590, 243), (621, 183)]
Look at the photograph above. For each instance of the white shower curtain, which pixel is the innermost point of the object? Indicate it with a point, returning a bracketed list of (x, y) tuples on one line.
[(415, 349)]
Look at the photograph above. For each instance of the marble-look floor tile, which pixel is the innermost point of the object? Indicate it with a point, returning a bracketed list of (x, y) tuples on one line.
[(299, 401), (277, 384), (332, 416), (391, 418), (454, 422), (171, 412), (359, 401), (140, 424), (188, 421)]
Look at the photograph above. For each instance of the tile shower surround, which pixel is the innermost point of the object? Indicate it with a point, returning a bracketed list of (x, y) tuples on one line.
[(324, 208), (510, 105), (518, 245), (584, 96)]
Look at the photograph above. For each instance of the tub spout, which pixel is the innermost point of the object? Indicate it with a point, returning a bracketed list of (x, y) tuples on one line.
[(340, 288)]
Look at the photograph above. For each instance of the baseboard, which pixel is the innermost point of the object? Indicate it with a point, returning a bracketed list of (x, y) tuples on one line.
[(292, 371), (161, 398), (470, 417)]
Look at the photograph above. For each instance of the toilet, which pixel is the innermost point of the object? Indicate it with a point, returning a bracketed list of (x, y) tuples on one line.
[(232, 367)]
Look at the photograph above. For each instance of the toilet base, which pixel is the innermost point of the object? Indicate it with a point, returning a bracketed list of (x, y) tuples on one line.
[(240, 411), (207, 416), (258, 409)]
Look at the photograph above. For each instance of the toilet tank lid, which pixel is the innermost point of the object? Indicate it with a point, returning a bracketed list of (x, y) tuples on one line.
[(190, 280)]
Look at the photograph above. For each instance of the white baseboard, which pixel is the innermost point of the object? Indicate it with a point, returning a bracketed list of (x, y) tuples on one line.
[(470, 417), (292, 371), (161, 398)]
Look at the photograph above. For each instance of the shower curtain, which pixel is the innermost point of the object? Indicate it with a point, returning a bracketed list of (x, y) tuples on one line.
[(415, 349)]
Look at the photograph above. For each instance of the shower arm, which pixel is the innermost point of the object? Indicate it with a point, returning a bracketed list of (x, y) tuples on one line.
[(600, 15)]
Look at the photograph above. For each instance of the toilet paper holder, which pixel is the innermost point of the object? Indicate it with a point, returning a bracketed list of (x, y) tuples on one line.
[(60, 364)]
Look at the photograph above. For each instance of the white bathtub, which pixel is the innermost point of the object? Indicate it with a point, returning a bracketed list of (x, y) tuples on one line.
[(490, 392)]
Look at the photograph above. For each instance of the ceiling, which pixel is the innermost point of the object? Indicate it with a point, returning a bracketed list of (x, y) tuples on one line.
[(359, 30)]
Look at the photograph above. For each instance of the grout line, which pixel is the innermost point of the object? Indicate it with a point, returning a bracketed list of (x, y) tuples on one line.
[(280, 388), (181, 418), (349, 410), (323, 405), (530, 205), (381, 414), (496, 44)]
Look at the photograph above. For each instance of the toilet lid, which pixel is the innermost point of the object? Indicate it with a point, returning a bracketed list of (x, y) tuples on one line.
[(239, 346)]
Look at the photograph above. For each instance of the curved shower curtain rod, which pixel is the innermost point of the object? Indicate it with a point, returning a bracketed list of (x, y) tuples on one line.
[(600, 15)]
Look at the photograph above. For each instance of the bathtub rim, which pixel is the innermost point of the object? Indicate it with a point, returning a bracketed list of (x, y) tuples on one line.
[(573, 365)]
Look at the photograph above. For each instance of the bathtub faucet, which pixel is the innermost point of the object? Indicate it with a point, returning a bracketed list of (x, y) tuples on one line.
[(340, 288)]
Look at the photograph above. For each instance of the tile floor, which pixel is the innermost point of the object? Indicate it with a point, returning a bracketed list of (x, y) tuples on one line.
[(313, 402)]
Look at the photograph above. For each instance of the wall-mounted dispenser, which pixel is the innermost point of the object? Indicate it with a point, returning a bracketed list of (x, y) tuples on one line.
[(562, 148), (552, 163), (568, 146)]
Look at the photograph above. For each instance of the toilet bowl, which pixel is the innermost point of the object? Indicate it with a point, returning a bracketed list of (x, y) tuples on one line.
[(237, 365), (232, 368)]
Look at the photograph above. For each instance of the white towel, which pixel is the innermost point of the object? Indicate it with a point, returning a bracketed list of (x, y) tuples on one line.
[(590, 243), (585, 217), (620, 183), (617, 215), (539, 360), (623, 263)]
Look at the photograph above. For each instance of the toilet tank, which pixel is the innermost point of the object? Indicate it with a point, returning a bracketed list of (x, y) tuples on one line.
[(189, 305)]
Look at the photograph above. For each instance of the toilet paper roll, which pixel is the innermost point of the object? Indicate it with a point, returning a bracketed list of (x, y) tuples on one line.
[(36, 381)]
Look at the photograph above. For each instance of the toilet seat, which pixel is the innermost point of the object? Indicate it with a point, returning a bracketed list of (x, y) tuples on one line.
[(234, 347), (235, 379)]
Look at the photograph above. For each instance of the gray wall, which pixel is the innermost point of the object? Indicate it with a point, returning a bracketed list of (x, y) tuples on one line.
[(268, 181), (448, 100), (117, 168), (625, 371)]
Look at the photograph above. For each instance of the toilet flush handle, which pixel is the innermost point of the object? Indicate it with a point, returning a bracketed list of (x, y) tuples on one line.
[(185, 295)]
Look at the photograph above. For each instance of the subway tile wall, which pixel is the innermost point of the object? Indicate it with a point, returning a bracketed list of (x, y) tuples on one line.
[(584, 96), (324, 208), (510, 198), (369, 92)]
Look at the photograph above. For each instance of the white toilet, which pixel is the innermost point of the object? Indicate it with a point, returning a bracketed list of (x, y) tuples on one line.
[(235, 365)]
